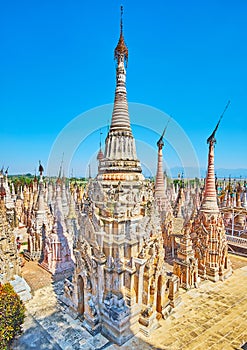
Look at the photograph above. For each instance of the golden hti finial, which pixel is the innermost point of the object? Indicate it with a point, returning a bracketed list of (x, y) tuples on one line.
[(121, 51)]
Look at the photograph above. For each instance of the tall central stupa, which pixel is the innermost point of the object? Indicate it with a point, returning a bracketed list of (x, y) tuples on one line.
[(120, 284), (120, 150)]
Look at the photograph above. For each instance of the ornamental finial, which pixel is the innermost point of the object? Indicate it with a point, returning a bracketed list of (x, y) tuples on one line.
[(121, 51), (121, 21), (212, 136), (41, 169), (160, 143)]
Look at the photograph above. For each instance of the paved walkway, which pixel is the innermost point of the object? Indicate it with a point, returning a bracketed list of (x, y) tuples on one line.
[(213, 317), (35, 276)]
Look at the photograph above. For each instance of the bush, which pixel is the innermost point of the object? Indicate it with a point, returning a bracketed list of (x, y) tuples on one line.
[(12, 313)]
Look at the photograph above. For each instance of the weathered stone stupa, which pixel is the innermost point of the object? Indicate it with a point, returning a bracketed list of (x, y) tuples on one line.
[(159, 192), (208, 231), (10, 261), (120, 284)]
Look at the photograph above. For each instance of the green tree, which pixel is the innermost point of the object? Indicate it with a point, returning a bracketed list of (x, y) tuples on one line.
[(12, 313)]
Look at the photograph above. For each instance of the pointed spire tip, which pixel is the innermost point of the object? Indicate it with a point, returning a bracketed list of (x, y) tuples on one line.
[(121, 51), (212, 136), (121, 21), (160, 142)]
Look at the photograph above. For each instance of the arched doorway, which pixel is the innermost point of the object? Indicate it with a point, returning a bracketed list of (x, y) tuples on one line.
[(80, 296), (159, 295)]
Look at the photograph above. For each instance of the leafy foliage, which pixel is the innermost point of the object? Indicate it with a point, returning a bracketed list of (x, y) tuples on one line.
[(12, 313)]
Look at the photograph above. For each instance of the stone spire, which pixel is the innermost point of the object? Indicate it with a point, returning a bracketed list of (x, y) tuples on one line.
[(208, 231), (8, 200), (120, 150), (41, 195), (100, 154), (209, 202), (41, 170), (159, 192), (120, 115)]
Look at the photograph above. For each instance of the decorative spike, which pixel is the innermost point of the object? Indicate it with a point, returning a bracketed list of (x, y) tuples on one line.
[(209, 202), (89, 171), (61, 167), (120, 150), (121, 21), (41, 169), (159, 182), (121, 50), (212, 136), (160, 142), (100, 138)]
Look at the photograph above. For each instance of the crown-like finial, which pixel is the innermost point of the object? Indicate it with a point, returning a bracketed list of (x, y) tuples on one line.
[(41, 169), (121, 51)]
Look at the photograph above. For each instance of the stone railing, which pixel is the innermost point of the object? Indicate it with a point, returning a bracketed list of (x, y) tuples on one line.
[(242, 242), (235, 231)]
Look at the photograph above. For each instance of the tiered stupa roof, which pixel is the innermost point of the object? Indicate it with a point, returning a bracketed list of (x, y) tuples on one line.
[(120, 150)]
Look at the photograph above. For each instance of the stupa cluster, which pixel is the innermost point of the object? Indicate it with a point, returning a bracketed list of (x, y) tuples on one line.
[(232, 197), (111, 239), (46, 210), (10, 261)]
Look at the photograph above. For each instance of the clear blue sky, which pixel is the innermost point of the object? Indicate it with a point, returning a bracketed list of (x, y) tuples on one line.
[(186, 58)]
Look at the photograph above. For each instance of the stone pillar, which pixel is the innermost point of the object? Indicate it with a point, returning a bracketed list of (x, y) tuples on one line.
[(174, 291), (140, 271)]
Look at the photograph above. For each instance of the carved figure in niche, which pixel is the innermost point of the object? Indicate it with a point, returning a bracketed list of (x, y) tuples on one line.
[(119, 210), (111, 193), (136, 209)]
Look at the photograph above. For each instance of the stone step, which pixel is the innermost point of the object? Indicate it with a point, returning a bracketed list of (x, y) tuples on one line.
[(21, 288)]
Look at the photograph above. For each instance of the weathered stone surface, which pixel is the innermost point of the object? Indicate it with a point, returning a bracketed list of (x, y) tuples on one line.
[(213, 317), (9, 258), (120, 278)]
